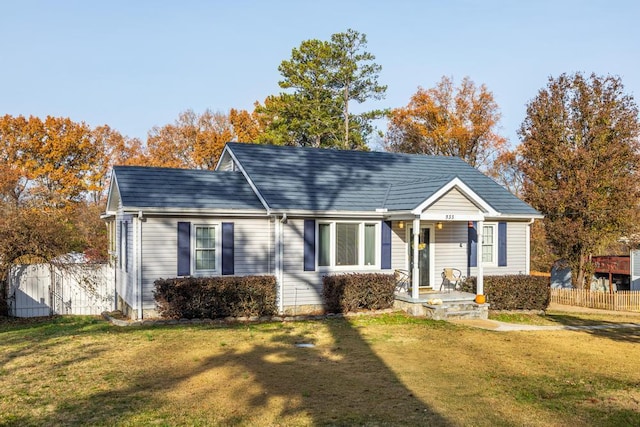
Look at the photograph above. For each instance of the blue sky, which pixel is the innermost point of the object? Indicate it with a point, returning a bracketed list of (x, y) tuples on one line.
[(137, 64)]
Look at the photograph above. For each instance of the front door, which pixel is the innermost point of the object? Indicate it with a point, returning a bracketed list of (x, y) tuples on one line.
[(423, 255)]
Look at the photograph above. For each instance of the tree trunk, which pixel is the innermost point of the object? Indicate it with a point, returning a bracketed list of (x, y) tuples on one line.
[(582, 272), (346, 118)]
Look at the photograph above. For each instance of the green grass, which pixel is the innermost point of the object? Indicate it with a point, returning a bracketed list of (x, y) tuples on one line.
[(371, 370)]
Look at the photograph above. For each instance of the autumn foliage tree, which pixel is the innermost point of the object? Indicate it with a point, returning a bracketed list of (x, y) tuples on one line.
[(196, 140), (449, 121), (52, 183), (579, 157)]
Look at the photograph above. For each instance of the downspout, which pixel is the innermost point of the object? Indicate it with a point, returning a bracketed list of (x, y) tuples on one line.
[(278, 249), (138, 260)]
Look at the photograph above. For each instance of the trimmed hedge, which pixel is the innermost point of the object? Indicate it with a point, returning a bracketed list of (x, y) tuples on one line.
[(344, 293), (513, 292), (214, 297)]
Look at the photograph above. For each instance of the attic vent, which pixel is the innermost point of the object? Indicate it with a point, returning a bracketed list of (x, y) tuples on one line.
[(228, 165)]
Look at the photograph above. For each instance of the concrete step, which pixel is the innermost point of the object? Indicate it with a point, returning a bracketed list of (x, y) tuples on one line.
[(456, 311)]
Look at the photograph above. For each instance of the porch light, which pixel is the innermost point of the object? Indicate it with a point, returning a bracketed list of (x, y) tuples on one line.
[(439, 225), (401, 224)]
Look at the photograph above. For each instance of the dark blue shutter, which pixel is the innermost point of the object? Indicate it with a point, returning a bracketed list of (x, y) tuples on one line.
[(472, 244), (385, 261), (309, 245), (227, 249), (184, 248), (502, 244)]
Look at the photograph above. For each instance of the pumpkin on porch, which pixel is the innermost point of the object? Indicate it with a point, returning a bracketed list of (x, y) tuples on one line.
[(480, 299)]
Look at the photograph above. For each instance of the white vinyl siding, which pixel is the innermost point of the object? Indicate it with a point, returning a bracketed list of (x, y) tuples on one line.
[(450, 249), (125, 277), (453, 201), (305, 287), (398, 247), (253, 249), (516, 251)]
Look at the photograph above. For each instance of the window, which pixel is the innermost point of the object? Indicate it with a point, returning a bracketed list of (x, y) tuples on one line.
[(369, 244), (124, 246), (345, 244), (324, 245), (205, 248), (111, 229), (488, 244)]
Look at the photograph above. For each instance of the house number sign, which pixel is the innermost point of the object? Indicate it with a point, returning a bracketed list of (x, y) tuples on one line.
[(449, 216)]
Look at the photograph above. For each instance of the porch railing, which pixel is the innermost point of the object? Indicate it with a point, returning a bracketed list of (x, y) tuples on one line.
[(616, 301)]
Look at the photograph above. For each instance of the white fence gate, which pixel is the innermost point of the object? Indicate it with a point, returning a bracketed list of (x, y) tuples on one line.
[(43, 289)]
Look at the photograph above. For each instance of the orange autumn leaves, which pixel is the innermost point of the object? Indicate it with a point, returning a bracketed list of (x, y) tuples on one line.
[(196, 141), (56, 161), (449, 121)]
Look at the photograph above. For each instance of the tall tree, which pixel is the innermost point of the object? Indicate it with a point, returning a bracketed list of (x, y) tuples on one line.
[(195, 140), (325, 77), (579, 157), (449, 121)]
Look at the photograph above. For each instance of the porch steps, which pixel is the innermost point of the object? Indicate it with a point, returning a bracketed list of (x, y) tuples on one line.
[(456, 310), (443, 306)]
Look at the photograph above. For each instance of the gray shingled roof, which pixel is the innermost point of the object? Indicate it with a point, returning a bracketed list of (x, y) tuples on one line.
[(291, 178), (149, 187)]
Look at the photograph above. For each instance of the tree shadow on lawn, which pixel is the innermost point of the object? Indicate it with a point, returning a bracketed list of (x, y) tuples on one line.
[(269, 381), (600, 328)]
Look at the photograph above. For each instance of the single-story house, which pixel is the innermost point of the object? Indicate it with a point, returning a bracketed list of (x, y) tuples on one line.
[(302, 213)]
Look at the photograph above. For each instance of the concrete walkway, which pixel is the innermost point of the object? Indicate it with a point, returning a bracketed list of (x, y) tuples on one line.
[(494, 325)]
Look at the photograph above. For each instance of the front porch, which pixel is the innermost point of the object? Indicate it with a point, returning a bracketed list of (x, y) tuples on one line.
[(442, 305)]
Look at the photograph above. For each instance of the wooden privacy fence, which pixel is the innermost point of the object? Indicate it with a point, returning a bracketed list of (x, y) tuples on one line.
[(618, 301)]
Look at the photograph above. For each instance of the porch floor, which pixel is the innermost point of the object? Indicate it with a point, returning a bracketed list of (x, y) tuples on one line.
[(444, 296)]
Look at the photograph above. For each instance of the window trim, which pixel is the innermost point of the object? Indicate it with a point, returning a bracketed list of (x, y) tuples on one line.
[(494, 245), (361, 246), (217, 248)]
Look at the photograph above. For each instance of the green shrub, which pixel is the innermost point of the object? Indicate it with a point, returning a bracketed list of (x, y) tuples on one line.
[(343, 293), (513, 292), (214, 297)]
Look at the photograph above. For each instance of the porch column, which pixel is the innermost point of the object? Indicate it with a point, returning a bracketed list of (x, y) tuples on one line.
[(480, 276), (415, 274)]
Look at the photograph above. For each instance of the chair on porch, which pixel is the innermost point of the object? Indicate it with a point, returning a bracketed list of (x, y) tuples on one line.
[(451, 279), (402, 280)]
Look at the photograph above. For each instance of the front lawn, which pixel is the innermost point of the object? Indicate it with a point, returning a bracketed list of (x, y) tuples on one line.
[(383, 370)]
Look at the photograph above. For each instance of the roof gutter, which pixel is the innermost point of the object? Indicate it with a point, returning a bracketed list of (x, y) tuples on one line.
[(195, 211)]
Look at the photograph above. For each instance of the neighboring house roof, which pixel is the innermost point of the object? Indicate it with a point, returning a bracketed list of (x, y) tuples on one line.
[(151, 187), (308, 179)]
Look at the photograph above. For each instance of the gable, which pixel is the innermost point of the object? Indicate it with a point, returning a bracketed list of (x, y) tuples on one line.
[(113, 197), (454, 201)]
